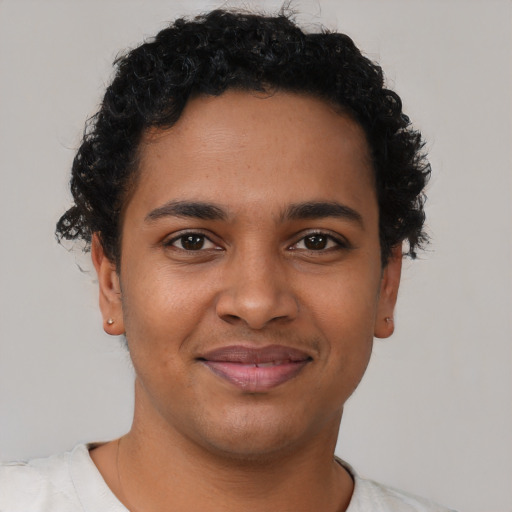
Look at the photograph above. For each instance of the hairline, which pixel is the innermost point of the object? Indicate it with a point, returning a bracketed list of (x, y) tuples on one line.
[(150, 133)]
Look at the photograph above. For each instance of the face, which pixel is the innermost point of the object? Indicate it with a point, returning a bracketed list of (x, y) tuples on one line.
[(251, 283)]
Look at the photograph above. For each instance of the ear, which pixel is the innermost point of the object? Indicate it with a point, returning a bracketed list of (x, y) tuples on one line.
[(110, 290), (384, 321)]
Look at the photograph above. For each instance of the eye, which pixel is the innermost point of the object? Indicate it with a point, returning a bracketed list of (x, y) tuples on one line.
[(192, 242), (319, 242)]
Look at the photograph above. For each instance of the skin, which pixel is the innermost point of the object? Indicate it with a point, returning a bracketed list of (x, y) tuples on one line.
[(198, 441)]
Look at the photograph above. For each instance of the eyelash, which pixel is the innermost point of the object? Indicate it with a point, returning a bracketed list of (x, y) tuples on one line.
[(170, 243), (340, 243)]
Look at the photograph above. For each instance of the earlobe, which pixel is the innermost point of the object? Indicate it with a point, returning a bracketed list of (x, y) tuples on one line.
[(390, 282), (109, 289)]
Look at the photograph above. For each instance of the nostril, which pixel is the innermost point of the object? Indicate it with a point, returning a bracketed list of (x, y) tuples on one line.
[(256, 302), (231, 318)]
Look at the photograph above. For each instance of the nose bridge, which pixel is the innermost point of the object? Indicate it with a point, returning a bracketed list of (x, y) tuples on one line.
[(257, 291)]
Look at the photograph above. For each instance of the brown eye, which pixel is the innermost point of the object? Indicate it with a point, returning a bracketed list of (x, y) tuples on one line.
[(320, 242), (316, 242), (192, 242)]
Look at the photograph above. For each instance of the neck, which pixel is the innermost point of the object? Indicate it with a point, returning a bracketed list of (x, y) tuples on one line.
[(157, 468), (156, 479)]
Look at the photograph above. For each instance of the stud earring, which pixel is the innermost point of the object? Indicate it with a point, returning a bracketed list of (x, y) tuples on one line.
[(388, 319), (110, 321)]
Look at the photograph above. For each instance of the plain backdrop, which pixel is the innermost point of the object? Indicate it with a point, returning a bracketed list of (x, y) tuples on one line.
[(433, 414)]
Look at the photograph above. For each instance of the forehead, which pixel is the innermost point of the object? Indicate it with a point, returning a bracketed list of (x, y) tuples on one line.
[(249, 147)]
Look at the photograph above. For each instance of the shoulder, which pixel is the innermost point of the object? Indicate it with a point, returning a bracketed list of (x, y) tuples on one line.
[(370, 495), (39, 485)]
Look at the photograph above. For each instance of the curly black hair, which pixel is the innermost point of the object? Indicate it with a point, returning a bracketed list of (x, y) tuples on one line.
[(224, 50)]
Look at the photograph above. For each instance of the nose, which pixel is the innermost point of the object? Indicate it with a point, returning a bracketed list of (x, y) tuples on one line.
[(257, 292)]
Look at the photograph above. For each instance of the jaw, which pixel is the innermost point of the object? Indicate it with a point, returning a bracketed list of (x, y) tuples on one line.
[(250, 428)]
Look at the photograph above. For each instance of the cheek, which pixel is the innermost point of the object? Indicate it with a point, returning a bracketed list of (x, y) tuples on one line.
[(160, 312), (344, 313), (344, 303)]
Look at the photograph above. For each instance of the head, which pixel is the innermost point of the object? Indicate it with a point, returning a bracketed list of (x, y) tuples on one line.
[(247, 189), (224, 50)]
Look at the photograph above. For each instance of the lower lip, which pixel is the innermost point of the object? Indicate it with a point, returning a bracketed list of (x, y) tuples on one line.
[(256, 379)]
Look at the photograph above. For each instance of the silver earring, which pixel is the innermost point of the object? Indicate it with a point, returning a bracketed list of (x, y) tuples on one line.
[(388, 319), (110, 321)]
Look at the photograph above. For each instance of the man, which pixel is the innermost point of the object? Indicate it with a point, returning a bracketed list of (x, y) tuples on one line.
[(246, 190)]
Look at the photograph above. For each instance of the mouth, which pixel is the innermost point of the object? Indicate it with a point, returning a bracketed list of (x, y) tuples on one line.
[(256, 370)]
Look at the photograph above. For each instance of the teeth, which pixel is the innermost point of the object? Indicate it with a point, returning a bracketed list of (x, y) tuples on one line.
[(268, 365)]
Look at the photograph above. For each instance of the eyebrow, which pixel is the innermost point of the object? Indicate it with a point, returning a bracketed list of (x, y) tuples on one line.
[(320, 210), (190, 209), (298, 211)]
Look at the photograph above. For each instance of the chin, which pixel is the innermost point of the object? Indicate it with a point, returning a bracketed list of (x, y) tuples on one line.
[(254, 436), (251, 447)]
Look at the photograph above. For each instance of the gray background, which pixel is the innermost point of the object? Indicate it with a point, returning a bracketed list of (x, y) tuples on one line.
[(434, 412)]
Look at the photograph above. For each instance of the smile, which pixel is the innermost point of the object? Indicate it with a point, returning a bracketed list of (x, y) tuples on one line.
[(256, 370)]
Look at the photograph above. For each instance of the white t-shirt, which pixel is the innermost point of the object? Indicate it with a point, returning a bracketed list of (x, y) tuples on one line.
[(70, 482)]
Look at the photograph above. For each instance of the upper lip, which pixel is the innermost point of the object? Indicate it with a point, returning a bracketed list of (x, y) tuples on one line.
[(255, 355)]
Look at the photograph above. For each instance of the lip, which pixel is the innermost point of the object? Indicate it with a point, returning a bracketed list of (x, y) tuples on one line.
[(258, 369)]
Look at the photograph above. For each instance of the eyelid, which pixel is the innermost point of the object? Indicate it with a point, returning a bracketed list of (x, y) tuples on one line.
[(340, 241), (170, 240)]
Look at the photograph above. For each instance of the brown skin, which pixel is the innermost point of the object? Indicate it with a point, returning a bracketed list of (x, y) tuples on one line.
[(199, 442)]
